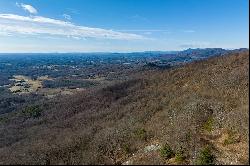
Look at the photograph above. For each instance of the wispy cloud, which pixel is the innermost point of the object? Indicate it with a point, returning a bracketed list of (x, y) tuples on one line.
[(67, 16), (167, 32), (138, 17), (147, 33), (72, 11), (4, 34), (36, 25), (143, 30), (189, 31), (195, 44), (27, 8)]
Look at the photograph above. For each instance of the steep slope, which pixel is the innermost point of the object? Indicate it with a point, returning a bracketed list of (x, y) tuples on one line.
[(202, 104)]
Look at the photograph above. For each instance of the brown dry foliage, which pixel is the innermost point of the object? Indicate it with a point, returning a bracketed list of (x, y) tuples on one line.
[(93, 127)]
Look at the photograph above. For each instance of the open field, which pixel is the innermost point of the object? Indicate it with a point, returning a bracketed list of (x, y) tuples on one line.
[(24, 84)]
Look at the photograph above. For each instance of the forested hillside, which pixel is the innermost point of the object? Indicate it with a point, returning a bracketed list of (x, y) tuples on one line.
[(192, 114)]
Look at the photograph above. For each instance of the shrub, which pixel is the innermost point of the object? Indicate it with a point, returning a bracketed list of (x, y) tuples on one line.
[(208, 125), (141, 133), (32, 112), (179, 157), (205, 157), (3, 119), (126, 148), (188, 136), (231, 138), (166, 152)]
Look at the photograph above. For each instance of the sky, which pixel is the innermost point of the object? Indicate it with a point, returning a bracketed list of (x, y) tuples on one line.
[(28, 26)]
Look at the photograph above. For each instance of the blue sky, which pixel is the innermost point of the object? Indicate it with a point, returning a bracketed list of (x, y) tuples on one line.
[(122, 25)]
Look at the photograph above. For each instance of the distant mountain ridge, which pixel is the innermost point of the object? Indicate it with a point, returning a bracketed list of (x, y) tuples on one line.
[(199, 53), (203, 52)]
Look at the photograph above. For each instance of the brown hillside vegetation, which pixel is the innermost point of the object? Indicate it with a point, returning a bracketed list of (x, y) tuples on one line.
[(194, 114)]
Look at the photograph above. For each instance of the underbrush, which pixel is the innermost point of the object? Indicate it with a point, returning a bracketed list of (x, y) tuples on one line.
[(206, 157), (32, 112)]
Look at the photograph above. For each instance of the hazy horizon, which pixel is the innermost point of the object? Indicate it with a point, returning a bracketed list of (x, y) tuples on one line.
[(99, 52)]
